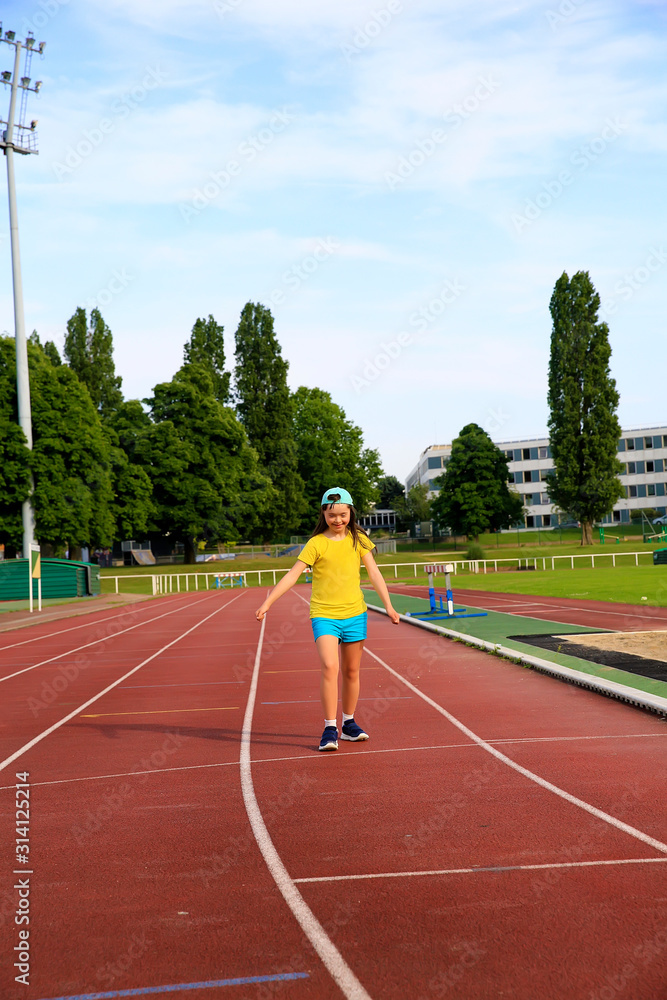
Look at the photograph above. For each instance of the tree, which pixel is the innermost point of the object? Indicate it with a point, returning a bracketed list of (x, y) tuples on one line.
[(266, 410), (390, 489), (474, 494), (207, 481), (70, 458), (89, 353), (331, 453), (583, 426), (206, 347)]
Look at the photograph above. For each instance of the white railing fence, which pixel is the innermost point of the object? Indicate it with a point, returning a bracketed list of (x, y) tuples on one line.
[(173, 583)]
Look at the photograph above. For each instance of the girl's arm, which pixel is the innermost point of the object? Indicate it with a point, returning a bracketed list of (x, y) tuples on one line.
[(377, 580), (281, 588)]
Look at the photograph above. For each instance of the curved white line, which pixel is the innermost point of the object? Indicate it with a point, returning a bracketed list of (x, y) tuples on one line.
[(586, 806), (321, 942)]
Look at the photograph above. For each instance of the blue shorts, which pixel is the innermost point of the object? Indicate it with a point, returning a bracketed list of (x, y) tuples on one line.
[(344, 629)]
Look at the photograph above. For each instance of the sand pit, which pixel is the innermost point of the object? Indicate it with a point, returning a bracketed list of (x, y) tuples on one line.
[(652, 645)]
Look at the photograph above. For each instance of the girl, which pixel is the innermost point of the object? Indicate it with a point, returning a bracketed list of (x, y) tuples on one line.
[(338, 613)]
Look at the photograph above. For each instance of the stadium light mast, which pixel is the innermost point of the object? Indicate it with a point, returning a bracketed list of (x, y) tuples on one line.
[(20, 138)]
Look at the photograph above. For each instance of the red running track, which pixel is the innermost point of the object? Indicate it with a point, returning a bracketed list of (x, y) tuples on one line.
[(595, 614), (413, 860)]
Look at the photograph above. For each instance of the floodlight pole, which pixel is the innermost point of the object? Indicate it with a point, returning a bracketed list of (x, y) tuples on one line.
[(22, 373)]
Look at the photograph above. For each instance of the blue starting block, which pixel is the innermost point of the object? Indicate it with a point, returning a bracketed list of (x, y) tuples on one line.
[(438, 613)]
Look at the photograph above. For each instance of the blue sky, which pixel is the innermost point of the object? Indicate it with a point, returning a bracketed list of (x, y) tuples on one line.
[(401, 182)]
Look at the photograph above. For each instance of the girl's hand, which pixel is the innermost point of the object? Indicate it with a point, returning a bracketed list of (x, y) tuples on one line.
[(394, 615), (259, 614)]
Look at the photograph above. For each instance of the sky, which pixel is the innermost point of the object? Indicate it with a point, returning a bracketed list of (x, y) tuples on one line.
[(401, 183)]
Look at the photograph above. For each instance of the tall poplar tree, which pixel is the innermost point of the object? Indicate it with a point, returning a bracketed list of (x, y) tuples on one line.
[(266, 410), (207, 347), (583, 426), (89, 353)]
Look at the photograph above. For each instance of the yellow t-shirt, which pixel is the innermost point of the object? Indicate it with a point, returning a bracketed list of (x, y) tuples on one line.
[(336, 582)]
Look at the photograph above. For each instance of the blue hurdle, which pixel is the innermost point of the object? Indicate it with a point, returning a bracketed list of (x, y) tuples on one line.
[(435, 612)]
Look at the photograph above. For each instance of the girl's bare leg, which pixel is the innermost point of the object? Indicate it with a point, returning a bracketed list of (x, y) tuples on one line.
[(350, 663), (327, 647)]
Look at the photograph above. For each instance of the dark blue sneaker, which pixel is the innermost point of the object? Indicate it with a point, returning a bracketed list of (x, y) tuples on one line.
[(351, 731), (329, 739)]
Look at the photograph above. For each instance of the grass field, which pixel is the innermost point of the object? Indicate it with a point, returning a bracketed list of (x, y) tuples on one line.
[(625, 583)]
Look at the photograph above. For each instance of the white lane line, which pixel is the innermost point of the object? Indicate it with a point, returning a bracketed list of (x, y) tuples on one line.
[(318, 756), (50, 635), (110, 687), (586, 806), (332, 959), (87, 645), (489, 868)]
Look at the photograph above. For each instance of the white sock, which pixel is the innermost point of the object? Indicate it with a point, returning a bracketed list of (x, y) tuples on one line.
[(329, 722), (346, 717)]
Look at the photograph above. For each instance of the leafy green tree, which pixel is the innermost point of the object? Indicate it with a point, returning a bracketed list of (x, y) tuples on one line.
[(474, 494), (583, 426), (266, 410), (331, 453), (390, 489), (70, 458), (89, 353), (206, 347), (207, 481), (15, 457)]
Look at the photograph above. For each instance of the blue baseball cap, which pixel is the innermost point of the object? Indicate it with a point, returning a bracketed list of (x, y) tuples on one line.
[(341, 496)]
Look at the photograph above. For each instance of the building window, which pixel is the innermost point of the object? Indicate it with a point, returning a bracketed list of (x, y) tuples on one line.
[(543, 453), (617, 515), (630, 444), (664, 440), (632, 491), (528, 476), (509, 455), (650, 467), (510, 477), (530, 521), (632, 468), (526, 454), (435, 463), (648, 442), (546, 520), (650, 489), (545, 498), (544, 475)]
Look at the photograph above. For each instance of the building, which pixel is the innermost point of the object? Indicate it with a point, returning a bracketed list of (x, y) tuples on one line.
[(383, 519), (641, 450)]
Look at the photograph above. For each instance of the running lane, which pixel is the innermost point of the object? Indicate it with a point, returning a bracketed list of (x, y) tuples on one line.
[(592, 614), (147, 872), (445, 870)]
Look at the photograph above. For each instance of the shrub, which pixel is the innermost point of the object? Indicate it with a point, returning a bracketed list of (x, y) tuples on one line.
[(474, 551)]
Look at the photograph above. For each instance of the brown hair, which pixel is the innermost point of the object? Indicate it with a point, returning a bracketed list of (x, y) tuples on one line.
[(354, 528)]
